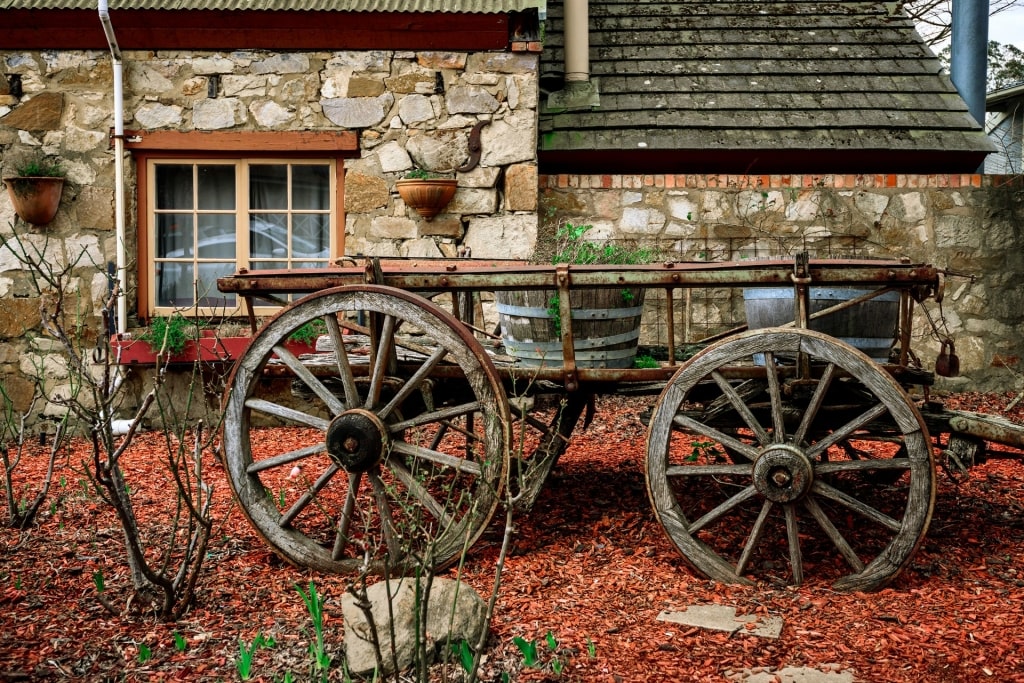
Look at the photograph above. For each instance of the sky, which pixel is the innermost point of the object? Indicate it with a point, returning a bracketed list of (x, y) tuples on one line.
[(1008, 27)]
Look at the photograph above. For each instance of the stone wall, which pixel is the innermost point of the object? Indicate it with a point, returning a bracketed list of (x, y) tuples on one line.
[(408, 108), (970, 225)]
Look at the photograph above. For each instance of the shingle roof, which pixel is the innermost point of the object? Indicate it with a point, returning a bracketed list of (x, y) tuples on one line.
[(683, 76), (476, 6)]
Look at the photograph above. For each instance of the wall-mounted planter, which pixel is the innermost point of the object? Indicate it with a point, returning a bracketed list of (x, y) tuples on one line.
[(211, 349), (427, 195), (35, 198)]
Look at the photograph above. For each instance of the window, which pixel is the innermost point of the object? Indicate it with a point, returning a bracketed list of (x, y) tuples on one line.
[(208, 218)]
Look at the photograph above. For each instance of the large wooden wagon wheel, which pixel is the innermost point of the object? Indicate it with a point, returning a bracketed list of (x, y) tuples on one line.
[(396, 448), (779, 475)]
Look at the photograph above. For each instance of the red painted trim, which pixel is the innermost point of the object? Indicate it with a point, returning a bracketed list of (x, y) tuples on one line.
[(225, 30)]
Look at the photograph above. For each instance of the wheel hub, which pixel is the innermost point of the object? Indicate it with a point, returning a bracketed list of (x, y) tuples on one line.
[(782, 473), (356, 440)]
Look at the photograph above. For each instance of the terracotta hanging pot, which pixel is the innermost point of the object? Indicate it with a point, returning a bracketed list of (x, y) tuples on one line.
[(35, 198), (427, 195)]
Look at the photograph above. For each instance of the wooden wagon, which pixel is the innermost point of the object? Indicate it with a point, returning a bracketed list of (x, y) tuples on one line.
[(777, 447)]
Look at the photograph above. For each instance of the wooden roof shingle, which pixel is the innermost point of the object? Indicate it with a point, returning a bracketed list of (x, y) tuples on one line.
[(738, 87)]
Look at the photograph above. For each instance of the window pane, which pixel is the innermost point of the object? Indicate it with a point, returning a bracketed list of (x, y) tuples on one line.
[(217, 188), (268, 236), (174, 284), (217, 236), (268, 186), (310, 238), (173, 235), (174, 186), (209, 295), (268, 265), (310, 187)]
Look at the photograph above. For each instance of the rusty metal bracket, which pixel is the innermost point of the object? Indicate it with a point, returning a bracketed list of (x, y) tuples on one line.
[(562, 282), (475, 148)]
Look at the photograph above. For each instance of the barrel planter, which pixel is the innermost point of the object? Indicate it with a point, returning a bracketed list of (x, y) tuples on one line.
[(870, 326), (605, 326)]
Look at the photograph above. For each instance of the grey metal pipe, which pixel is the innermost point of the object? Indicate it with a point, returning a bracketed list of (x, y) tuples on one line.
[(969, 54)]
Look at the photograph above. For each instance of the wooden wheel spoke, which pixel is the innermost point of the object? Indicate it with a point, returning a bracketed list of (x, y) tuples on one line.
[(815, 404), (833, 534), (741, 408), (278, 410), (721, 509), (285, 458), (863, 509), (775, 394), (796, 470), (413, 382), (465, 466), (306, 498), (754, 537), (420, 493), (309, 379), (387, 520), (844, 432), (348, 380), (691, 425), (341, 539), (796, 561), (324, 526), (862, 465), (385, 349), (744, 468), (437, 416)]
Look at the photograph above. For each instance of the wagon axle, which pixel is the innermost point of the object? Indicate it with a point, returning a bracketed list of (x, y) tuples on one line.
[(783, 473), (356, 439)]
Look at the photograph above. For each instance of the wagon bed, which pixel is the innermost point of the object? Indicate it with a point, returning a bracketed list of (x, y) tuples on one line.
[(413, 419)]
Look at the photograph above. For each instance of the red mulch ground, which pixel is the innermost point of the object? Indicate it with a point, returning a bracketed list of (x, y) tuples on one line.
[(591, 565)]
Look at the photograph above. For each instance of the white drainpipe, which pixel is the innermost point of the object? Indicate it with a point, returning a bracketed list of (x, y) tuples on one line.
[(119, 203), (577, 40), (580, 91)]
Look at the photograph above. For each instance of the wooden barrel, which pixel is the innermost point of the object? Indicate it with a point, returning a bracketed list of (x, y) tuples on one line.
[(870, 326), (605, 326)]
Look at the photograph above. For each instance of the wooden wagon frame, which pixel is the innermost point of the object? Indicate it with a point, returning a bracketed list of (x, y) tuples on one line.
[(410, 424)]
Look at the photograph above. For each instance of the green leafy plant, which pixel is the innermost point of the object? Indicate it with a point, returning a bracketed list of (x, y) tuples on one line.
[(40, 167), (246, 653), (591, 649), (315, 605), (645, 362), (706, 448), (179, 642), (309, 331), (419, 174), (145, 653), (572, 246), (464, 652), (168, 334), (97, 579), (529, 650)]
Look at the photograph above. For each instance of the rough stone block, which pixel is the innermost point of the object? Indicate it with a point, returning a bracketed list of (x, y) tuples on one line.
[(521, 187), (454, 612), (365, 193)]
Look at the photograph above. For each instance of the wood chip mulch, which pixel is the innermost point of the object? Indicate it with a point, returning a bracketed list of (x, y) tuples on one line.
[(590, 565)]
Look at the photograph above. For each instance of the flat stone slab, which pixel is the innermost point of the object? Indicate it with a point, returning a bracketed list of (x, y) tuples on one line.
[(723, 618), (791, 674)]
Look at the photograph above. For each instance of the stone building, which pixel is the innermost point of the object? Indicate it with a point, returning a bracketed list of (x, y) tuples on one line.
[(689, 123), (265, 134)]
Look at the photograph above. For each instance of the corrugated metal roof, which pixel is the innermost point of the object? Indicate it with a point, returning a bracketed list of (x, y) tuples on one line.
[(474, 6)]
